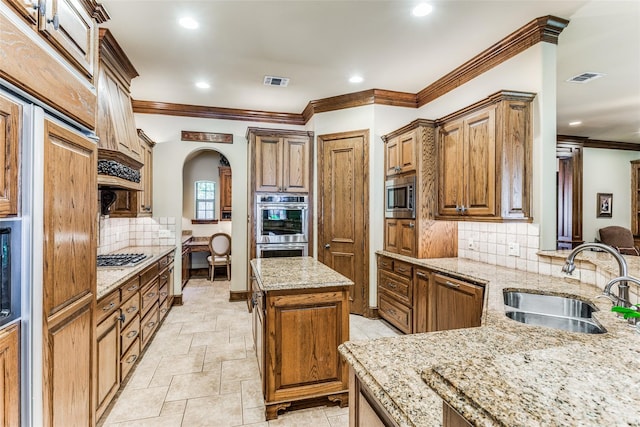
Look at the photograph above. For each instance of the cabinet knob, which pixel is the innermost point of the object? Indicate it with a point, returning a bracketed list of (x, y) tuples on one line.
[(55, 21), (121, 318), (412, 225), (327, 246)]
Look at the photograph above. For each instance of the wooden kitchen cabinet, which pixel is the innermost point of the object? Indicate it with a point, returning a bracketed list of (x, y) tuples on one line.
[(186, 258), (224, 172), (400, 154), (144, 197), (10, 135), (364, 409), (10, 375), (421, 287), (484, 160), (454, 303), (282, 161), (69, 282), (108, 356), (395, 293), (412, 150)]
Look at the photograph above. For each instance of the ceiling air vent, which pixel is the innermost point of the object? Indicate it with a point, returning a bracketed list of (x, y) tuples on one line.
[(275, 81), (585, 77)]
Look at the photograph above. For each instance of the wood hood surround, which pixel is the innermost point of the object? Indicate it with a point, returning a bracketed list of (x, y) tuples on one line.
[(119, 151)]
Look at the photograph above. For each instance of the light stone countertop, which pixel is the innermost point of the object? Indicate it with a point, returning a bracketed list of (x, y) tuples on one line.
[(109, 278), (273, 274), (471, 368)]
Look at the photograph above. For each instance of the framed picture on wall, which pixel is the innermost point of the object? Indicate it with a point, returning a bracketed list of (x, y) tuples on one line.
[(605, 205)]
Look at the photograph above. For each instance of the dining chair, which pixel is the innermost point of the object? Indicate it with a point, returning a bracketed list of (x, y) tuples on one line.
[(220, 248)]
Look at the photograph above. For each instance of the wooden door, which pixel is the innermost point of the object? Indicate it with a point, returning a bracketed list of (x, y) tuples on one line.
[(450, 168), (69, 277), (10, 135), (569, 196), (480, 164), (68, 26), (343, 235), (454, 304), (295, 173), (268, 163), (10, 376)]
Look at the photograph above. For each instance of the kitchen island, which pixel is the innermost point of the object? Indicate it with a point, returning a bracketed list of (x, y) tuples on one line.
[(504, 372), (300, 317)]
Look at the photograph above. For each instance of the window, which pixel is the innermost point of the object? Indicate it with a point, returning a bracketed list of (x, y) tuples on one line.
[(205, 199)]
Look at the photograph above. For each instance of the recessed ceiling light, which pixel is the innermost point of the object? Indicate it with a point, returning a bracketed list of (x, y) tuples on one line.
[(576, 123), (356, 79), (203, 85), (189, 23), (423, 9)]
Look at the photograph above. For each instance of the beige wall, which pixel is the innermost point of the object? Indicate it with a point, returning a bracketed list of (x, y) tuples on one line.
[(203, 166)]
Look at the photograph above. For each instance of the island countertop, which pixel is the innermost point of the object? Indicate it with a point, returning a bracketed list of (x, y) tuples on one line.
[(483, 372), (288, 273)]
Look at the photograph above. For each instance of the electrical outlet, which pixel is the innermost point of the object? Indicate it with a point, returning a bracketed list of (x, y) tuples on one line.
[(471, 245), (164, 234), (513, 249)]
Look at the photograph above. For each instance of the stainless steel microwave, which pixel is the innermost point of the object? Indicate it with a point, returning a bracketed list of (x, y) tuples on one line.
[(400, 197)]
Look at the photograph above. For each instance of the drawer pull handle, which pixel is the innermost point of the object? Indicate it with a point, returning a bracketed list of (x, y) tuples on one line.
[(132, 334), (402, 270), (421, 275), (132, 309), (151, 324), (109, 307), (164, 310), (391, 285), (384, 264), (132, 358), (451, 284), (151, 294), (392, 312), (163, 294), (164, 277), (132, 288)]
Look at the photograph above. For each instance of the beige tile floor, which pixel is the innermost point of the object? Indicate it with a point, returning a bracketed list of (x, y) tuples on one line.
[(200, 369)]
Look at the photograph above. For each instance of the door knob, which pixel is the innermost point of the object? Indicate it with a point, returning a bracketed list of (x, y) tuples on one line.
[(327, 246)]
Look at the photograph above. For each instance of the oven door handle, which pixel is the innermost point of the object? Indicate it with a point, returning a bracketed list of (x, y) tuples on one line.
[(283, 206)]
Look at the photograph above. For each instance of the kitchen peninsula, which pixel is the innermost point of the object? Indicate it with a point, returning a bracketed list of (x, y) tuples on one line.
[(503, 372), (300, 317)]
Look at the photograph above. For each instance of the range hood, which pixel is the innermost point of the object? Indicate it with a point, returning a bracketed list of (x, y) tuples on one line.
[(118, 171)]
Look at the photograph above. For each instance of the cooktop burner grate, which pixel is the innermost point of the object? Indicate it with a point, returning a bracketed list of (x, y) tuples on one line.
[(120, 260)]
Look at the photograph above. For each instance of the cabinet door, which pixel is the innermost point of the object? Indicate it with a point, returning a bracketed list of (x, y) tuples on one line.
[(454, 304), (406, 236), (268, 163), (480, 164), (295, 178), (10, 376), (108, 356), (225, 191), (10, 130), (392, 156), (28, 9), (407, 149), (391, 232), (69, 277), (421, 301), (69, 27), (450, 168), (185, 266), (145, 197)]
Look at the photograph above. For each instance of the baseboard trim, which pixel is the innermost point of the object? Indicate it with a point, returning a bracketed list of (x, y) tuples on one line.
[(372, 313), (177, 300), (238, 296)]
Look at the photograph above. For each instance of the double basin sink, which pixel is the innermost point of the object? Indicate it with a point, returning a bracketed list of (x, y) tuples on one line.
[(551, 311)]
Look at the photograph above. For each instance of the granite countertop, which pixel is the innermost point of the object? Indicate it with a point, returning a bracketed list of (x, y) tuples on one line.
[(109, 278), (274, 274), (479, 371)]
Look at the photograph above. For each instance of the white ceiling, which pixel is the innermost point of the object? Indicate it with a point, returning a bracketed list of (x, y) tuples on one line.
[(319, 44)]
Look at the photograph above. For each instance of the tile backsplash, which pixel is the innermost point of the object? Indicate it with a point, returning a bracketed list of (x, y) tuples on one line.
[(118, 233)]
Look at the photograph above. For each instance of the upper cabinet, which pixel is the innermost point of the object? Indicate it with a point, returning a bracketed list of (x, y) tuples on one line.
[(282, 160), (68, 25), (10, 129), (400, 154), (145, 196), (224, 173), (484, 160)]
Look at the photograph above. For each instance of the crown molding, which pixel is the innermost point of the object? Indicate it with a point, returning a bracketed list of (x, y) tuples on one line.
[(587, 142), (543, 29), (112, 55)]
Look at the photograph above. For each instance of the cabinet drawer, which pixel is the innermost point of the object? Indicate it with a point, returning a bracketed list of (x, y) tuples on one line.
[(163, 293), (149, 325), (107, 305), (130, 308), (385, 263), (395, 313), (149, 274), (129, 334), (163, 279), (400, 287), (165, 261), (164, 309), (107, 323), (403, 268), (129, 359), (129, 288), (149, 296)]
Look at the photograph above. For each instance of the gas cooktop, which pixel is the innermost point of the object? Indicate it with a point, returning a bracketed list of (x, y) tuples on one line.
[(120, 260)]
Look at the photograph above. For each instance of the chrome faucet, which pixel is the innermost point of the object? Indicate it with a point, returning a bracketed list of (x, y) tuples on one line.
[(623, 288), (623, 280)]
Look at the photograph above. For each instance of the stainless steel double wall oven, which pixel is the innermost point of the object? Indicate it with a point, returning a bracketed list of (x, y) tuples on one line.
[(281, 225)]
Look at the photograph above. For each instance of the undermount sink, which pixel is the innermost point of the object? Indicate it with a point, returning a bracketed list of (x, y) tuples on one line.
[(551, 311)]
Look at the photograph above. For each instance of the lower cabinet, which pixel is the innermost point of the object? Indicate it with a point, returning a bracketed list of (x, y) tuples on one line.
[(400, 236), (10, 376), (364, 410), (296, 336), (126, 320), (415, 299), (186, 255)]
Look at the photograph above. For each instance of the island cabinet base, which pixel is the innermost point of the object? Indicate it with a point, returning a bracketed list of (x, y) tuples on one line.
[(364, 410), (297, 334), (451, 417)]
